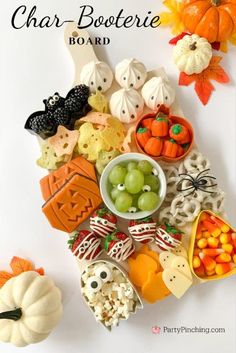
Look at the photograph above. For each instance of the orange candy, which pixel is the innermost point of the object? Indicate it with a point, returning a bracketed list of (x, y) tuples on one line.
[(212, 252), (223, 227), (225, 238), (222, 258), (196, 262), (202, 243), (221, 269), (227, 248), (212, 228), (213, 242), (200, 271), (208, 263)]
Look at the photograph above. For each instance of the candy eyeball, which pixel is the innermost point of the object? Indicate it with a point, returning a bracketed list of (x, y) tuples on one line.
[(146, 188), (56, 97), (97, 75), (130, 73), (158, 91), (104, 273), (52, 101), (154, 172), (132, 209), (94, 284), (121, 187), (126, 105)]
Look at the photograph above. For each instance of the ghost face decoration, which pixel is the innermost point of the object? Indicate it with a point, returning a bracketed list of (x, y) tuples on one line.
[(97, 75)]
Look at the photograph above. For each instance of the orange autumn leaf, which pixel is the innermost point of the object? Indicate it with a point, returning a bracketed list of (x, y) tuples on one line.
[(203, 86), (4, 277), (18, 265)]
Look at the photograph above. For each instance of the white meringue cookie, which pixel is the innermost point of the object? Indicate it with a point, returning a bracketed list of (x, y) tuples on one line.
[(130, 73), (126, 105), (97, 75), (158, 91)]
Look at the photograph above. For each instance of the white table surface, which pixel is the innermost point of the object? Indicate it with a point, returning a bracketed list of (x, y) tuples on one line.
[(34, 64)]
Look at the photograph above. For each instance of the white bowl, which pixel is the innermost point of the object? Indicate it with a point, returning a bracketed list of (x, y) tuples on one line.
[(104, 184)]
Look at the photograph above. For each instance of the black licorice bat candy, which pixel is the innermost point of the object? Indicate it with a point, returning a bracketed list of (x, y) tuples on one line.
[(60, 111)]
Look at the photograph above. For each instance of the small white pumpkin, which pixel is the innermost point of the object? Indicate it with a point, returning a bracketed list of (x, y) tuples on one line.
[(158, 91), (30, 307), (97, 75), (126, 105), (192, 54), (130, 73)]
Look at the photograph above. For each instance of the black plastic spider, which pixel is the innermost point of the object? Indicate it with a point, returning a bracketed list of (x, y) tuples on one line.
[(200, 182)]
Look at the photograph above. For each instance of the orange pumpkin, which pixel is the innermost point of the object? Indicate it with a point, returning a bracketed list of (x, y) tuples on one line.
[(154, 146), (214, 20), (170, 149)]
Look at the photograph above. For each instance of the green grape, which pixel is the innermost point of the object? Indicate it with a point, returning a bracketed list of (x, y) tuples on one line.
[(152, 181), (114, 193), (148, 201), (117, 175), (145, 167), (134, 181), (131, 166), (123, 201)]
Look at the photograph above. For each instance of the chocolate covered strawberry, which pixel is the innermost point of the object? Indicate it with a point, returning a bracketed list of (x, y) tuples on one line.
[(119, 245), (103, 222), (85, 245), (143, 230), (168, 237)]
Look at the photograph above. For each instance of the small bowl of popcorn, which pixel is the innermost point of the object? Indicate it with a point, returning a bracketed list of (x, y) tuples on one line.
[(108, 292)]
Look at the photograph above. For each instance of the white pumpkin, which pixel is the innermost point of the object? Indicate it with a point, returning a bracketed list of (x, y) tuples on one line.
[(130, 73), (192, 54), (126, 105), (30, 307), (158, 91), (97, 75)]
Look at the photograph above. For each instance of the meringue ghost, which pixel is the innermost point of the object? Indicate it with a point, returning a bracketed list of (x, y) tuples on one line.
[(126, 105), (158, 91), (97, 75), (130, 73)]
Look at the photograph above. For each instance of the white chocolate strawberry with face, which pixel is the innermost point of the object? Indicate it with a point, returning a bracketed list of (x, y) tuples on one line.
[(143, 230), (85, 245), (168, 237), (119, 246), (103, 222)]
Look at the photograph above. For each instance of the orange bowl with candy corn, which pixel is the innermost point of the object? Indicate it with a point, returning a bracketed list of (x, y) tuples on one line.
[(212, 250)]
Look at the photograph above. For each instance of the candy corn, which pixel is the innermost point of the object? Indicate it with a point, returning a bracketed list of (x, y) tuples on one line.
[(213, 242), (200, 271), (196, 262), (206, 234), (227, 248), (212, 252), (221, 269), (196, 251), (208, 262), (225, 238), (202, 243), (233, 236), (211, 273), (223, 227), (212, 228), (234, 258), (224, 257)]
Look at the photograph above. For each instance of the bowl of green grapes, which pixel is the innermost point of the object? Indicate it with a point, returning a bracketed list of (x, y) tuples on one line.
[(133, 186)]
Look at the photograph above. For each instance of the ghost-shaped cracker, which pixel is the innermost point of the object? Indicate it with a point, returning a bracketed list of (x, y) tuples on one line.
[(176, 282), (181, 264), (166, 258), (180, 251)]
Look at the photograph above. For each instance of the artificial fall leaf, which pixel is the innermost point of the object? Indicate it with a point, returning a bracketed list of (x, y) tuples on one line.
[(18, 265), (4, 277), (203, 86), (174, 17), (175, 40)]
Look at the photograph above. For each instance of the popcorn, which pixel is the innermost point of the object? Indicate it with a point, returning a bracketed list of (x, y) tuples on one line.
[(112, 299)]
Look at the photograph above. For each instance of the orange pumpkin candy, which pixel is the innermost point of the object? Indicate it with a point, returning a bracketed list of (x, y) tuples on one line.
[(154, 146), (214, 20)]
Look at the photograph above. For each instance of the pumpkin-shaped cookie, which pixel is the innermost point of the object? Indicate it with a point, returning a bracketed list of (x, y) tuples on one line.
[(30, 307)]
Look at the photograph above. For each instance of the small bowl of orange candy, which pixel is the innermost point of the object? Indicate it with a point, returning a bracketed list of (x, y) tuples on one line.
[(161, 135), (213, 247)]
